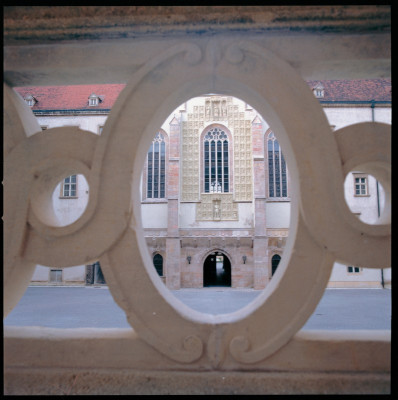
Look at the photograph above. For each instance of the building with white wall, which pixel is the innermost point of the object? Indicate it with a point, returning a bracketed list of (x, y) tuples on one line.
[(215, 194)]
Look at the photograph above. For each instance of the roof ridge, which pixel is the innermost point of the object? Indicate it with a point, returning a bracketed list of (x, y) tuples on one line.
[(75, 97)]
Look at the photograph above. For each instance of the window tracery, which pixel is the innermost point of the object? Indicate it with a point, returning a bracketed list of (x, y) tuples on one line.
[(277, 171), (156, 168), (216, 161)]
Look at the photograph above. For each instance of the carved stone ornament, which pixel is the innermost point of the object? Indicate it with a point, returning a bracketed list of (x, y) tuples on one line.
[(322, 230), (275, 232), (216, 207)]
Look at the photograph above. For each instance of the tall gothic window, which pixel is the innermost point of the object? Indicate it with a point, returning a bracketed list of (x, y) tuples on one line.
[(277, 174), (156, 171), (216, 160)]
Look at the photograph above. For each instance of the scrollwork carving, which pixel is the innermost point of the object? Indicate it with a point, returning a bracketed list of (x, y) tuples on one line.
[(234, 54), (193, 54), (193, 346), (213, 52), (369, 246), (318, 233), (215, 348)]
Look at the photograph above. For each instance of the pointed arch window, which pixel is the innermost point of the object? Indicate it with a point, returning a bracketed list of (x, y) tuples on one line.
[(156, 168), (216, 161), (277, 172)]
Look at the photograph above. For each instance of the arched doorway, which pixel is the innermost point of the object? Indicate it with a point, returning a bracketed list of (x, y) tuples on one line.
[(275, 262), (158, 264), (217, 270)]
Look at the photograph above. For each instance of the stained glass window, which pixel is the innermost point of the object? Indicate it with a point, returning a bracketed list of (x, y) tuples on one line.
[(156, 170), (277, 171), (216, 167)]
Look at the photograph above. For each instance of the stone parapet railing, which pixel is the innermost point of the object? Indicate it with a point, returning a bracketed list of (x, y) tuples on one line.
[(172, 349)]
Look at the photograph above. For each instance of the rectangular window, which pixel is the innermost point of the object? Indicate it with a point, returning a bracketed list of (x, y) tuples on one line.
[(361, 185), (353, 270), (69, 186), (56, 275)]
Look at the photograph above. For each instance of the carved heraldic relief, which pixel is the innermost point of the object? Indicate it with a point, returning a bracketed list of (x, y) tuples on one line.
[(322, 229), (217, 207)]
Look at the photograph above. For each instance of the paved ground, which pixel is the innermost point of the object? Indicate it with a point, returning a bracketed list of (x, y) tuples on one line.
[(73, 307)]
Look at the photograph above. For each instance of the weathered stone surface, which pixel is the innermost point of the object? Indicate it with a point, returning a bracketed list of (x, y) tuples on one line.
[(257, 349)]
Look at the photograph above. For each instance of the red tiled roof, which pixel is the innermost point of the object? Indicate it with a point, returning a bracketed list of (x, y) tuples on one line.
[(355, 90), (76, 97), (71, 97)]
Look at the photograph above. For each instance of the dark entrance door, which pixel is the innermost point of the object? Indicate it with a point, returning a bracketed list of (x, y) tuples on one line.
[(275, 262), (217, 270), (94, 274)]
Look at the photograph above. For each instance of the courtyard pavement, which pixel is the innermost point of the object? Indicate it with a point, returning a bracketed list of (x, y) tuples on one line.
[(79, 307)]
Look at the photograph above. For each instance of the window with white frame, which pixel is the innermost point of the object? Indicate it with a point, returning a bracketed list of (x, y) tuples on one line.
[(216, 161), (319, 91), (361, 185), (69, 187), (93, 100), (277, 171), (30, 100), (156, 168)]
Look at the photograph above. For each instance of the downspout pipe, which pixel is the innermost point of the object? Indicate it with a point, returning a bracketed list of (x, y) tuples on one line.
[(372, 106)]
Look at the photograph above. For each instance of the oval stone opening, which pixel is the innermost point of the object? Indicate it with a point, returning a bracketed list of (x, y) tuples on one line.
[(70, 199), (365, 196), (215, 200)]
